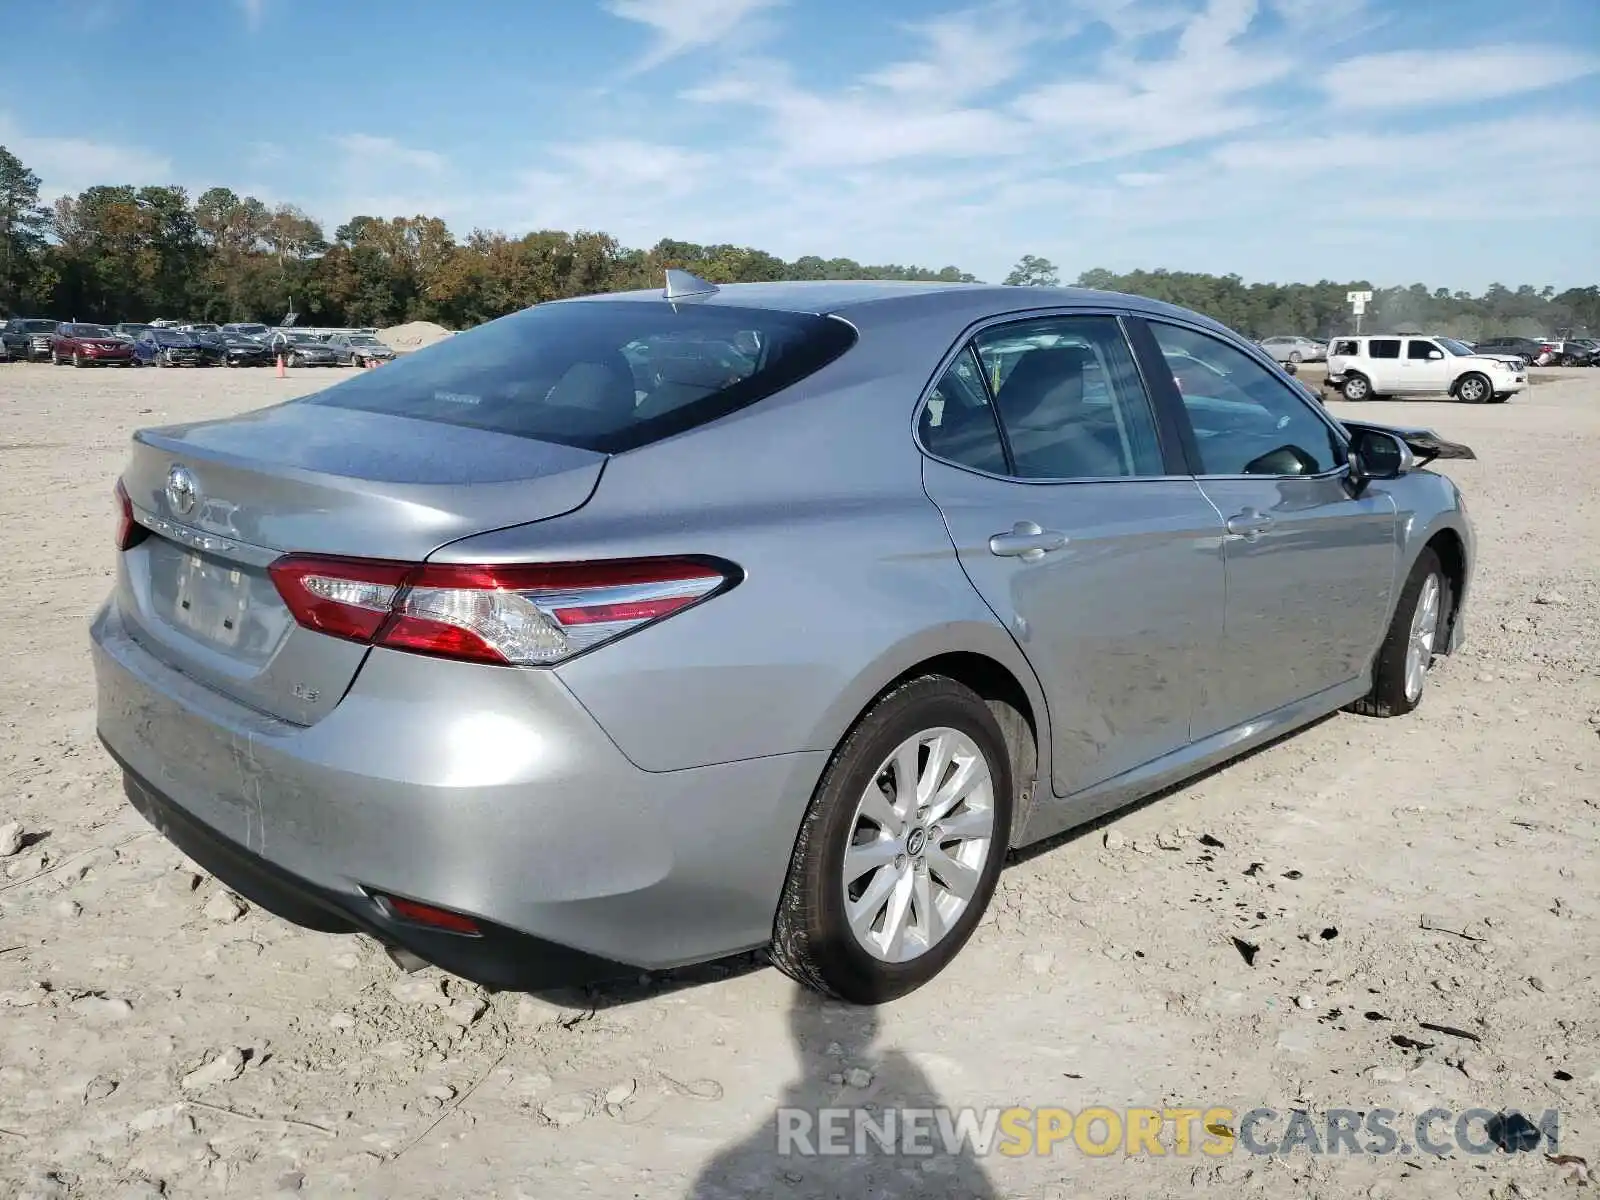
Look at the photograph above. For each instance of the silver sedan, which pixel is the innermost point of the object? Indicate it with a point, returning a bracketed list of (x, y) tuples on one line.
[(1295, 349), (637, 630)]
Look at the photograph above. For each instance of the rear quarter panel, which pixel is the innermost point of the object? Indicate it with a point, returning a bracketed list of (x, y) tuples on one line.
[(850, 577)]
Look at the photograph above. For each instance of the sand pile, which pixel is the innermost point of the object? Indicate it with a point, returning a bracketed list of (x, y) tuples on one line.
[(413, 335)]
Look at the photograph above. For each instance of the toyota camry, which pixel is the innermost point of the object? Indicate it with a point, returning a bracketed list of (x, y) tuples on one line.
[(637, 630)]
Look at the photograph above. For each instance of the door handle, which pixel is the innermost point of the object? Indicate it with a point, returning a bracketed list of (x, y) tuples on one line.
[(1249, 524), (1027, 542)]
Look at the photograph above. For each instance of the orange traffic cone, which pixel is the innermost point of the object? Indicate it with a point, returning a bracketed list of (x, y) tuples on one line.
[(280, 366)]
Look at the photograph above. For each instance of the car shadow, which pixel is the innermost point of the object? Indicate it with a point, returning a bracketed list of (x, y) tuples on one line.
[(841, 1067)]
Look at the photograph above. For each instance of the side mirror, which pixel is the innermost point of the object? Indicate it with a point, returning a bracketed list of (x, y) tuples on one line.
[(1375, 454), (1435, 355)]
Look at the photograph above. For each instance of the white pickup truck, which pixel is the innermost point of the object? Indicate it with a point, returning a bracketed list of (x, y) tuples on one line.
[(1368, 368)]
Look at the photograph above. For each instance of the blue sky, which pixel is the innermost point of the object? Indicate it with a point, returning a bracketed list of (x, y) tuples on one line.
[(1453, 144)]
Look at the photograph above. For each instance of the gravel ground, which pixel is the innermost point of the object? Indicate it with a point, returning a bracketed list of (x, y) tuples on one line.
[(157, 1037)]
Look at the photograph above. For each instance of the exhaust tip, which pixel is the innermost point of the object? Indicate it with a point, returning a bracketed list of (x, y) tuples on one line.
[(402, 958)]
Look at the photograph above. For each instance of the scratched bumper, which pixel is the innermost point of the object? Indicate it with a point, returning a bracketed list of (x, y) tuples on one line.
[(490, 792)]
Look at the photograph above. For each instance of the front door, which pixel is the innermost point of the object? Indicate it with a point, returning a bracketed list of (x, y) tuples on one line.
[(1106, 568), (1424, 368), (1310, 569)]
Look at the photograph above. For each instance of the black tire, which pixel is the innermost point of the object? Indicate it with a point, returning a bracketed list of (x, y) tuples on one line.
[(1474, 388), (811, 940), (1296, 357), (77, 360), (292, 361), (1356, 387), (1388, 696)]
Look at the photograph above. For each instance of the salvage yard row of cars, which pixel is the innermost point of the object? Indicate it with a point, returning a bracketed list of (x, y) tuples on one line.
[(132, 344), (1534, 352)]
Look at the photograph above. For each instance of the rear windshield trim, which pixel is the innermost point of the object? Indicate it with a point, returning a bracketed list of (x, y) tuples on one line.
[(814, 341)]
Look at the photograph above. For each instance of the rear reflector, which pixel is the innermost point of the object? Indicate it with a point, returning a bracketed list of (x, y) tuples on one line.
[(426, 914), (522, 615)]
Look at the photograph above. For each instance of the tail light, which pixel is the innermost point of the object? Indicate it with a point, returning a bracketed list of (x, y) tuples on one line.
[(129, 532), (524, 615)]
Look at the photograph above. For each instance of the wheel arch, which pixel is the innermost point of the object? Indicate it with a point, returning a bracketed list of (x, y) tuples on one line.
[(983, 658), (1451, 550)]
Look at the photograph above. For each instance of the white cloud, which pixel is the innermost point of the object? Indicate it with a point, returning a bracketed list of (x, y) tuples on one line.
[(370, 151), (1415, 78), (254, 12), (966, 53), (68, 165), (684, 25)]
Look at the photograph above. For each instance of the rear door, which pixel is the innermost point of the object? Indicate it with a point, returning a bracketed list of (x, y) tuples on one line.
[(1310, 569), (1075, 521)]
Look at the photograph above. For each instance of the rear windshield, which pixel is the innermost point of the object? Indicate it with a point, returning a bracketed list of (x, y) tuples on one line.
[(39, 326), (603, 375)]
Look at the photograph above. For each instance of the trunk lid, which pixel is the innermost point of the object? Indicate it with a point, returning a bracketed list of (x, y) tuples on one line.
[(309, 479)]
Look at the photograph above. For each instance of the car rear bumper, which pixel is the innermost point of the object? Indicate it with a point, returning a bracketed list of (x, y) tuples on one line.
[(486, 791)]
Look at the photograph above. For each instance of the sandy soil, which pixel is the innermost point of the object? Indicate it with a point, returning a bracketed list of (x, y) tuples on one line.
[(158, 1038)]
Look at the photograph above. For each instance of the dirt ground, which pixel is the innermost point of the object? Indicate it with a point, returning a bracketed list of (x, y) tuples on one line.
[(156, 1038)]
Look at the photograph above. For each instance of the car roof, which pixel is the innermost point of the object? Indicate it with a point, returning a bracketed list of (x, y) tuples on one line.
[(883, 299)]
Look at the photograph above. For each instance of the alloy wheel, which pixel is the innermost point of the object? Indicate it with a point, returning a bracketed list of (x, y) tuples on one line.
[(922, 833), (1424, 629)]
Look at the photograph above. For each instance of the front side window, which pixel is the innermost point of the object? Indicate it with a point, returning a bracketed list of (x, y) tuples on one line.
[(1383, 348), (1418, 350), (1246, 419), (1070, 399)]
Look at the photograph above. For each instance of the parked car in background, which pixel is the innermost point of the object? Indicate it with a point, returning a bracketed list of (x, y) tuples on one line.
[(1573, 353), (1295, 349), (199, 327), (129, 329), (434, 687), (253, 329), (29, 338), (1590, 346), (301, 349), (164, 347), (1532, 351), (90, 346), (359, 349), (238, 349), (1371, 368)]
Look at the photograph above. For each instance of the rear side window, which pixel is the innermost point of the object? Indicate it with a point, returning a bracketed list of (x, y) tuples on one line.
[(958, 422), (603, 375), (1383, 348)]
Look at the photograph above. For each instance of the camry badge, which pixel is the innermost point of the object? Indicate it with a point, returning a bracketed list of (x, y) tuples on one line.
[(182, 491)]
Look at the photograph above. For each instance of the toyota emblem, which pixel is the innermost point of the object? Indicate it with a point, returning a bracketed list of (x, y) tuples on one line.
[(182, 491)]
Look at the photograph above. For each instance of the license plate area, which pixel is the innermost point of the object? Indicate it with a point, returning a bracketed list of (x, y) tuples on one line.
[(210, 600)]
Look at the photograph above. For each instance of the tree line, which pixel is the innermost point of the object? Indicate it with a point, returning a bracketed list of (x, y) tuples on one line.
[(118, 252)]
